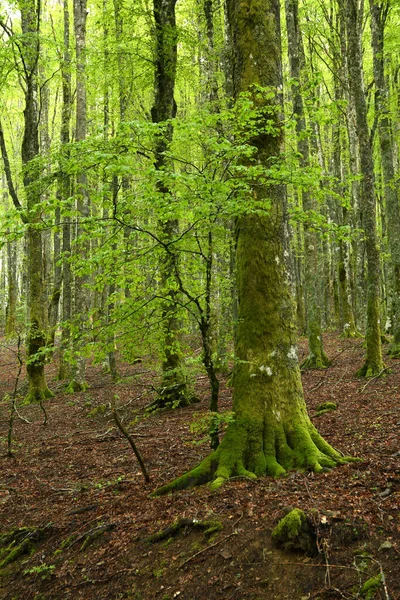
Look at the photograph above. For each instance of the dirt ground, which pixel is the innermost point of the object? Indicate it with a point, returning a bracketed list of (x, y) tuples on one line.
[(77, 484)]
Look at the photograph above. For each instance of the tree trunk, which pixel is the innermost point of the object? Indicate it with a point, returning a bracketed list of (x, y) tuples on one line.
[(373, 364), (12, 290), (272, 431), (392, 208), (174, 390), (36, 300), (317, 358), (82, 296), (64, 189)]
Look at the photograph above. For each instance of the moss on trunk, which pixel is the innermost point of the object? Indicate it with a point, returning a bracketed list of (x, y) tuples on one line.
[(272, 432)]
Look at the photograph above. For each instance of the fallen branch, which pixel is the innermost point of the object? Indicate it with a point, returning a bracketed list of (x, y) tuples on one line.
[(128, 436), (208, 548)]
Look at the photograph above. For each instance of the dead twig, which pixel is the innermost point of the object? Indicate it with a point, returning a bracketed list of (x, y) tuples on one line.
[(128, 436), (372, 379), (234, 532)]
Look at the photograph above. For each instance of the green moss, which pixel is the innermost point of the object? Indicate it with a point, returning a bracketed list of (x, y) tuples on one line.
[(294, 532), (394, 350), (371, 587), (325, 407)]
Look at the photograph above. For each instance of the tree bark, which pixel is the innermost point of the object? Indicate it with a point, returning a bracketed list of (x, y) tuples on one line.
[(373, 364), (82, 296), (174, 389), (272, 431), (36, 300), (392, 207), (317, 358), (64, 192)]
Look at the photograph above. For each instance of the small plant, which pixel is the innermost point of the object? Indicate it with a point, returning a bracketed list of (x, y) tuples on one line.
[(209, 423), (43, 571)]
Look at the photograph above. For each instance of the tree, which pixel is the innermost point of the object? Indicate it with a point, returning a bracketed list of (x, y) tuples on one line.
[(379, 11), (373, 363), (28, 48), (317, 357), (174, 390), (272, 431)]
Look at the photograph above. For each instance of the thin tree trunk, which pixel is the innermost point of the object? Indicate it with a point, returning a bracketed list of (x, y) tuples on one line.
[(373, 364), (174, 386), (317, 358), (36, 298), (64, 192), (392, 207), (82, 295)]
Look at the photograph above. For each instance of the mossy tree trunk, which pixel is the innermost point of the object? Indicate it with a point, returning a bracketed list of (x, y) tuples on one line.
[(174, 389), (272, 431), (12, 289), (82, 296), (36, 300), (64, 193), (373, 364), (317, 357), (392, 208)]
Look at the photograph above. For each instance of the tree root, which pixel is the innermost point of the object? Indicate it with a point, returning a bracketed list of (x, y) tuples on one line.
[(210, 527), (252, 452), (315, 362), (371, 369), (89, 536), (296, 532), (20, 541)]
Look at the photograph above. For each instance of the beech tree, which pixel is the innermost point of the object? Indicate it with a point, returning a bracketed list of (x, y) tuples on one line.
[(272, 431), (28, 49)]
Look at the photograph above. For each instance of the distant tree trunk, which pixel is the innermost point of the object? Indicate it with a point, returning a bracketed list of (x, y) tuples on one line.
[(392, 207), (174, 387), (64, 192), (36, 299), (12, 289), (271, 432), (82, 296), (317, 357), (373, 364)]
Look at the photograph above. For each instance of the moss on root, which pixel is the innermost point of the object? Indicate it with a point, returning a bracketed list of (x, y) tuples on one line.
[(295, 532), (251, 451), (371, 369), (314, 361)]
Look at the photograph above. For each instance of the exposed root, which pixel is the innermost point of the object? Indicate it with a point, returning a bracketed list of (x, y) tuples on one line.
[(20, 541), (371, 369), (209, 527), (251, 451), (316, 362)]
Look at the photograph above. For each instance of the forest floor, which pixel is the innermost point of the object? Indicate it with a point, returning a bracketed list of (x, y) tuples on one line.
[(78, 485)]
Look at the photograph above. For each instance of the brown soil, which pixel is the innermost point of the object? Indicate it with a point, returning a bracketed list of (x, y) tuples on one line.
[(78, 475)]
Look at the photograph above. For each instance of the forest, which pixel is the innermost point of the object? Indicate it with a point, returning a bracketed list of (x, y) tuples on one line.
[(199, 299)]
